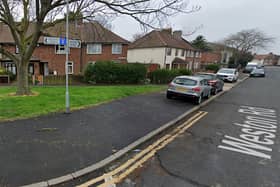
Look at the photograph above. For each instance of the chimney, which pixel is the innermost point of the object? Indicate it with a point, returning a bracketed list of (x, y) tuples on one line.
[(177, 35), (168, 30)]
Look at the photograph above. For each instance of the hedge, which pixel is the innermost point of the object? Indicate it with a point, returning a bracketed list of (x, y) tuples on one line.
[(109, 72), (212, 67), (163, 76)]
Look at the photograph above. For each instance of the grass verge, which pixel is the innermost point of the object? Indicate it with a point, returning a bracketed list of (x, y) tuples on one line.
[(52, 99)]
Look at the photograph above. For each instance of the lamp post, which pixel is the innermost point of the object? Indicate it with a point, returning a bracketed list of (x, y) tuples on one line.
[(67, 99)]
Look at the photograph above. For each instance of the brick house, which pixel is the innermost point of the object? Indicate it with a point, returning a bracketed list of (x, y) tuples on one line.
[(219, 54), (166, 48), (267, 59), (97, 43)]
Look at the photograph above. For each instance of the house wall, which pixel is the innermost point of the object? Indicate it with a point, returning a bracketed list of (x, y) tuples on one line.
[(79, 57), (147, 56), (169, 59), (210, 57)]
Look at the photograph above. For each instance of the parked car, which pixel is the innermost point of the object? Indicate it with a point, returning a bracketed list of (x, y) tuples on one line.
[(213, 80), (250, 66), (258, 72), (192, 87), (228, 74)]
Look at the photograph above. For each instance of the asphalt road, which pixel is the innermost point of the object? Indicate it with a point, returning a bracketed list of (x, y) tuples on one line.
[(218, 151), (38, 149)]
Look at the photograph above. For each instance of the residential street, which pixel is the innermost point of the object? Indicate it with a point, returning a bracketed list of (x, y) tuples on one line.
[(236, 144)]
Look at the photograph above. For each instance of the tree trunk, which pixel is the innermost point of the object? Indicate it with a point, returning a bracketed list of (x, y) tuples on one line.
[(22, 79)]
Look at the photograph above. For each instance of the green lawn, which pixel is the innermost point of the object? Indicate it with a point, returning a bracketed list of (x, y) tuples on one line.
[(52, 99)]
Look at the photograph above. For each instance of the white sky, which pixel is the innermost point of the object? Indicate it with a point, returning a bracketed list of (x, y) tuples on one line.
[(219, 18)]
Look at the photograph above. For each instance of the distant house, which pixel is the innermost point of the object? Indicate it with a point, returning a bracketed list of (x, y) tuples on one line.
[(268, 59), (97, 43), (225, 52), (166, 48)]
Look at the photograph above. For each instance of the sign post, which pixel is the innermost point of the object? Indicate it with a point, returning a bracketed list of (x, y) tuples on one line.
[(67, 99)]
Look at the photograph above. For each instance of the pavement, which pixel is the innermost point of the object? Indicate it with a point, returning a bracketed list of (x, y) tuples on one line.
[(220, 150), (38, 149)]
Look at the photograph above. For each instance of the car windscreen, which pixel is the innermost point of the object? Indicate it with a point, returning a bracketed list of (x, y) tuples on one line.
[(251, 66), (206, 76), (185, 81), (226, 71), (258, 70)]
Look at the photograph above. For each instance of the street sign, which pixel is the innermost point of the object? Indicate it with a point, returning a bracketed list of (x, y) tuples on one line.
[(62, 41)]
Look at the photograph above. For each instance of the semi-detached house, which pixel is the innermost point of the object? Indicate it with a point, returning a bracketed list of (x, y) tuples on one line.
[(97, 43), (166, 48)]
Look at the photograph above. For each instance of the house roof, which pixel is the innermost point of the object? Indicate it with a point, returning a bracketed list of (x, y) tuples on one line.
[(90, 32), (162, 38)]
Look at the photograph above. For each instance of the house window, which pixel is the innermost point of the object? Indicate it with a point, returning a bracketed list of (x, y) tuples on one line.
[(17, 50), (167, 66), (116, 48), (94, 48), (176, 52), (168, 51), (91, 62), (60, 49), (182, 52), (70, 67)]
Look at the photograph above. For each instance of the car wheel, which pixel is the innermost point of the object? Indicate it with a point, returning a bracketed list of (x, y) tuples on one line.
[(198, 100), (215, 91), (169, 96), (208, 94)]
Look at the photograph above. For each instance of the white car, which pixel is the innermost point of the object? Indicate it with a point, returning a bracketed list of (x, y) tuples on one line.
[(228, 74)]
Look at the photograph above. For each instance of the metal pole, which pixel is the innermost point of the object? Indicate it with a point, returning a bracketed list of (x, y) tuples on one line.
[(67, 100)]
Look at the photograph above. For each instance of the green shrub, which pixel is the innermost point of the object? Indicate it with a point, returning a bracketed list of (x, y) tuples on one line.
[(109, 72), (163, 76), (212, 67)]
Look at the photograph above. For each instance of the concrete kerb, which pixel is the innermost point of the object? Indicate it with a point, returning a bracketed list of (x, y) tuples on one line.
[(120, 153)]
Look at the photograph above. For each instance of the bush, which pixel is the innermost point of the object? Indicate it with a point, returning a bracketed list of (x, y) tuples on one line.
[(212, 67), (112, 73), (163, 76)]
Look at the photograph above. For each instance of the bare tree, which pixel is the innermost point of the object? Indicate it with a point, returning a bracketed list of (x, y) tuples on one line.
[(246, 41), (39, 15)]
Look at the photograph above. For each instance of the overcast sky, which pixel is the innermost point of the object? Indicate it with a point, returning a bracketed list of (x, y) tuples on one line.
[(218, 19)]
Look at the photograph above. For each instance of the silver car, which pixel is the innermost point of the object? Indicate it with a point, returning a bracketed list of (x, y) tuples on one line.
[(192, 87)]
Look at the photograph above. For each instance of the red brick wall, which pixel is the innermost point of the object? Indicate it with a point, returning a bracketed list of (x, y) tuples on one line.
[(210, 57), (56, 62)]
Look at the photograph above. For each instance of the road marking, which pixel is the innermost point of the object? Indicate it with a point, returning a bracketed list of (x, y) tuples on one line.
[(139, 159), (256, 135)]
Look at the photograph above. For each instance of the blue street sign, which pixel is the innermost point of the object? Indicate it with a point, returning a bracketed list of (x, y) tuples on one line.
[(62, 41)]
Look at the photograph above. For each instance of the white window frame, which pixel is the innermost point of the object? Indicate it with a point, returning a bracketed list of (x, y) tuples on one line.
[(60, 49), (94, 49), (168, 49), (116, 49), (183, 53), (70, 64), (17, 50)]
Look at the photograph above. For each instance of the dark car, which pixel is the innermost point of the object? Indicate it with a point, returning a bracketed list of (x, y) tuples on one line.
[(257, 72), (213, 80)]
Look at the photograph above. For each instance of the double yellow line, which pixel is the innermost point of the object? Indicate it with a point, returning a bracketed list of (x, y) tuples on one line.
[(120, 173)]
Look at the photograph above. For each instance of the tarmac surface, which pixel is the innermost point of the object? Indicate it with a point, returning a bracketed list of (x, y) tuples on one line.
[(38, 149), (219, 151)]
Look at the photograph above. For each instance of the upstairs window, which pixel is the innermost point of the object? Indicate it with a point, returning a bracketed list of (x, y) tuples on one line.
[(176, 52), (17, 50), (60, 49), (168, 51), (182, 52), (94, 48), (116, 48)]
